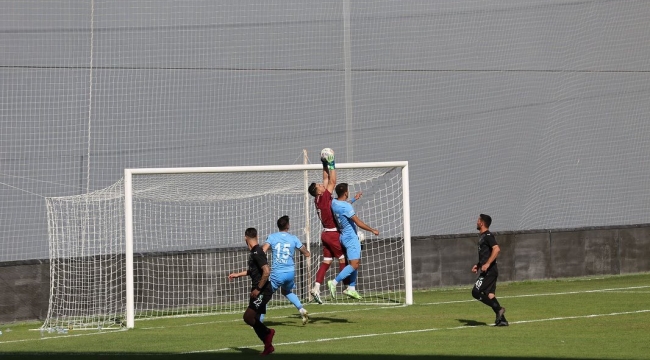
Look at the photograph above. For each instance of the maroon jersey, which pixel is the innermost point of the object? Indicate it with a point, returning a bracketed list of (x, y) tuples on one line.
[(324, 209)]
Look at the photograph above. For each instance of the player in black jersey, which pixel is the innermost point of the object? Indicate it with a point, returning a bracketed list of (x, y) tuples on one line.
[(261, 292), (487, 270)]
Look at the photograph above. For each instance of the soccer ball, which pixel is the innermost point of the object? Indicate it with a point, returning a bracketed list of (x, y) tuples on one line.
[(361, 236), (327, 154)]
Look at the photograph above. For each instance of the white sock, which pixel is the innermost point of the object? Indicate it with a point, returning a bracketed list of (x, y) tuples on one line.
[(317, 287), (302, 310), (351, 288), (334, 282)]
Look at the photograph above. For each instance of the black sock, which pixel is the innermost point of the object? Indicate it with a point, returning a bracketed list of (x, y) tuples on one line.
[(260, 329), (493, 303)]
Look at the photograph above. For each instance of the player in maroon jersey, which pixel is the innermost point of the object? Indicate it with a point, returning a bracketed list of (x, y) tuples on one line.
[(322, 194)]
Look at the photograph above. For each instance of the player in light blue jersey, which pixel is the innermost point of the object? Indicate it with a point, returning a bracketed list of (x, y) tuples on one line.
[(283, 246), (348, 222)]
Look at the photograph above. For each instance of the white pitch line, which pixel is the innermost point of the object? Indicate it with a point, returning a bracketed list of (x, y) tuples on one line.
[(424, 330), (64, 336), (542, 294), (579, 317)]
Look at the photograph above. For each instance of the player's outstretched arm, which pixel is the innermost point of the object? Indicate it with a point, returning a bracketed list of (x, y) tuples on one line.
[(363, 225), (233, 276)]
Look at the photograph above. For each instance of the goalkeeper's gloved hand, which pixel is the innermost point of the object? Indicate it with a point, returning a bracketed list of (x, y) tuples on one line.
[(331, 163)]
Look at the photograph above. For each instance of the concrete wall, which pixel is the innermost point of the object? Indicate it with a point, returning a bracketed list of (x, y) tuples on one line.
[(526, 255), (437, 261), (24, 290)]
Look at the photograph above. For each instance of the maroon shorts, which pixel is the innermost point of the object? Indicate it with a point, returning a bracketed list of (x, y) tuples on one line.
[(331, 244)]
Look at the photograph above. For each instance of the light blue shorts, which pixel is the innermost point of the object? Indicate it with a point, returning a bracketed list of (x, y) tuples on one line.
[(283, 280), (352, 249)]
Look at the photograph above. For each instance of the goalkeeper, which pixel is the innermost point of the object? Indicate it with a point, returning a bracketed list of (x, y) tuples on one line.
[(330, 238)]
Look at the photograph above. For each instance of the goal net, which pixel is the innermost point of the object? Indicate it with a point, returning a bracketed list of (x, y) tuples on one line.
[(161, 242)]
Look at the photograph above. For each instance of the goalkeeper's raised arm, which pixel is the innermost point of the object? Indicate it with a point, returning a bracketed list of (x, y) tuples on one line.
[(329, 175), (322, 194)]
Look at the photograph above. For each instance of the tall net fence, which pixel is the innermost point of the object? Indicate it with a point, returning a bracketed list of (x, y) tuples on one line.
[(534, 112)]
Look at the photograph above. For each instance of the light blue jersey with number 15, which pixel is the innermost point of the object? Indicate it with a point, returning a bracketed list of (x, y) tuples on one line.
[(283, 247)]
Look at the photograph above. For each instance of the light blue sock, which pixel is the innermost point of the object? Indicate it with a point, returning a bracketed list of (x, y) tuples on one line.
[(344, 273), (294, 300), (353, 278), (261, 318)]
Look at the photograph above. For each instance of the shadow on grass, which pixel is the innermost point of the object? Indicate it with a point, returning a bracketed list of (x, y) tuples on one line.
[(312, 320), (251, 354), (467, 322)]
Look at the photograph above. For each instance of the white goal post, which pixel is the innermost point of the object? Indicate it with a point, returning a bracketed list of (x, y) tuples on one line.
[(163, 241)]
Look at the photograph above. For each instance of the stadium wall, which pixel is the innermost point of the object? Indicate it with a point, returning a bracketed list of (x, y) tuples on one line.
[(437, 261)]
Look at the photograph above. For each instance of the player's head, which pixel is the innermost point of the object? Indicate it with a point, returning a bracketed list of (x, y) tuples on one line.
[(342, 190), (316, 189), (283, 223), (484, 221), (250, 235)]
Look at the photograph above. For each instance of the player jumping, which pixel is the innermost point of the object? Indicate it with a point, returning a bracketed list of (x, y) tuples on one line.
[(329, 237), (348, 222)]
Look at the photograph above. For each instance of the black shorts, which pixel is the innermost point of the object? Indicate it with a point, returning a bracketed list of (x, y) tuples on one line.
[(259, 303), (486, 283)]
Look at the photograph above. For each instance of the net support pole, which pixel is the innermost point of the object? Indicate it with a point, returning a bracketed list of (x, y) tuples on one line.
[(128, 239), (408, 270), (307, 221)]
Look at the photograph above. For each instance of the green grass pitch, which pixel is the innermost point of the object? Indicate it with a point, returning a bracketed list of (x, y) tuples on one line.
[(604, 317)]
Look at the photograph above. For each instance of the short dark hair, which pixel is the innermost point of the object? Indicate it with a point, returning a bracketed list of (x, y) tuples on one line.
[(251, 233), (341, 189), (283, 222), (312, 189), (487, 220)]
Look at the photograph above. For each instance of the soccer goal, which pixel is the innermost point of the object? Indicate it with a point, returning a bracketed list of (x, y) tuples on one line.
[(161, 242)]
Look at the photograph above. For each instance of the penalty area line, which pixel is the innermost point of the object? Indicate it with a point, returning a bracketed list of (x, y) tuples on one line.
[(421, 330)]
